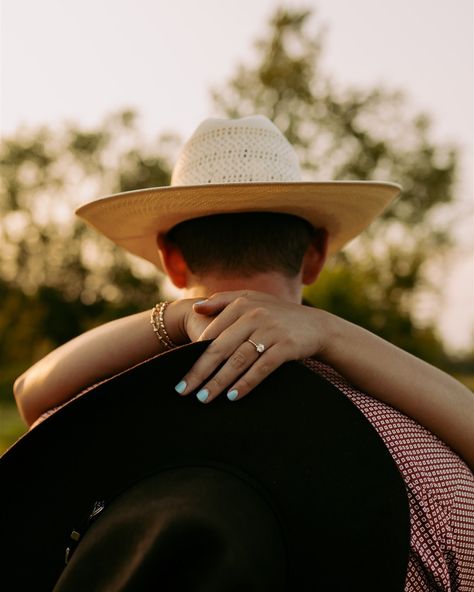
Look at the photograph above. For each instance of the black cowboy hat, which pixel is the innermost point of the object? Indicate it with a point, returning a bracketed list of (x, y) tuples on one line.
[(313, 492)]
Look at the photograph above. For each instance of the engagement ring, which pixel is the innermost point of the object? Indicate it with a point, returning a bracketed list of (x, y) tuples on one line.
[(258, 346)]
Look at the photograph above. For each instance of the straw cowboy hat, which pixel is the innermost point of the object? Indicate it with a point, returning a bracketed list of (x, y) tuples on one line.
[(139, 489), (237, 165)]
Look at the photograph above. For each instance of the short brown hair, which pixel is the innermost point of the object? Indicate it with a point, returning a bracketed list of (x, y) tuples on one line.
[(244, 243)]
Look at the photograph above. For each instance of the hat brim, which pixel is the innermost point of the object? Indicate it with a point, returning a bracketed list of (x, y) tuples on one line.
[(133, 219), (325, 470)]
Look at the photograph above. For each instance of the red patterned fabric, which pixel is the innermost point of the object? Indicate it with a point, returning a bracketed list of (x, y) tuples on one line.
[(440, 492)]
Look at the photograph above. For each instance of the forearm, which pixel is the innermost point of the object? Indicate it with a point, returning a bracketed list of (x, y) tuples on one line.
[(91, 357), (421, 391)]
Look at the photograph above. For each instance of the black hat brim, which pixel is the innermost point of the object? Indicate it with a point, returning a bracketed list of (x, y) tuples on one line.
[(333, 484)]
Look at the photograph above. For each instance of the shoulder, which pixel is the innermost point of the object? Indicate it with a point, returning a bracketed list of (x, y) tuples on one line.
[(416, 449), (439, 484)]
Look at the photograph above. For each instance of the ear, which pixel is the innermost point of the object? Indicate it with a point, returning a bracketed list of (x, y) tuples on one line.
[(315, 257), (173, 261)]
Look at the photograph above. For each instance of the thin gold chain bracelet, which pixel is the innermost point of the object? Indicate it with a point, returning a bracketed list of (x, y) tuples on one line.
[(158, 323)]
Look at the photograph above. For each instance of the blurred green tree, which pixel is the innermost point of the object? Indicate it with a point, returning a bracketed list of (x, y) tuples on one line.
[(343, 132), (44, 175), (58, 277)]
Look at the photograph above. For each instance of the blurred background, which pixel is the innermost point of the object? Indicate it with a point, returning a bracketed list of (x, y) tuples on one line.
[(97, 98)]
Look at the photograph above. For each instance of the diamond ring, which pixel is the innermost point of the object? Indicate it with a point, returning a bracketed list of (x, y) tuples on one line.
[(258, 346)]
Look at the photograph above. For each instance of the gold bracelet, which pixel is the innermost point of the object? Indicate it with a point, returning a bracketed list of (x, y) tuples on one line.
[(158, 323)]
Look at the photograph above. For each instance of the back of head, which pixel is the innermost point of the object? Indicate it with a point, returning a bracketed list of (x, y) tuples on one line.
[(245, 243)]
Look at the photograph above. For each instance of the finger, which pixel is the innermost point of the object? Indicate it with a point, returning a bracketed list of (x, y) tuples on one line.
[(210, 307), (255, 315), (215, 354), (220, 300), (214, 307), (217, 302), (235, 366), (231, 314), (269, 361)]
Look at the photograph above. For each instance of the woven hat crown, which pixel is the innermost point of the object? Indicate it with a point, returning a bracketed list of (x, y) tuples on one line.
[(247, 150)]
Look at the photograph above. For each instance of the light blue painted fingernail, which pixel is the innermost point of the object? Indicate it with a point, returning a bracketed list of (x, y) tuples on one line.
[(201, 302), (181, 387), (233, 394), (202, 395)]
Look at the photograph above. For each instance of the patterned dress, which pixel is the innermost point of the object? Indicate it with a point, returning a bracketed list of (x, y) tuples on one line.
[(440, 491)]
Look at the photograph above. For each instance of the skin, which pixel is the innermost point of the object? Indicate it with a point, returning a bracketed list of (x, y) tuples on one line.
[(265, 308)]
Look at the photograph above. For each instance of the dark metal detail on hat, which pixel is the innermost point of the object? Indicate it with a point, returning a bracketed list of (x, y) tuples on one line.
[(76, 535), (97, 509)]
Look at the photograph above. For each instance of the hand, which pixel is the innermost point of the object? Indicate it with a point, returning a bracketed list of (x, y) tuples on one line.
[(183, 322), (288, 331)]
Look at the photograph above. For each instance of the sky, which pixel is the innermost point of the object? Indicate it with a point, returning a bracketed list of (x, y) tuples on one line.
[(79, 60)]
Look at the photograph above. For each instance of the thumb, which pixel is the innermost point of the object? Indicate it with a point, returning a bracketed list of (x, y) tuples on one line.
[(214, 304)]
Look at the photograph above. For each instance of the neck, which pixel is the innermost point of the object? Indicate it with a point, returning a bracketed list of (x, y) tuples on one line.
[(278, 285)]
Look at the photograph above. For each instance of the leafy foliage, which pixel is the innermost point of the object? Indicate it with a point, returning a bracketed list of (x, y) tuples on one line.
[(362, 134), (58, 277), (45, 175)]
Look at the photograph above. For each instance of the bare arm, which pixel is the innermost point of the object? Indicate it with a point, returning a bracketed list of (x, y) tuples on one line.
[(81, 362), (289, 331), (98, 354), (421, 391)]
